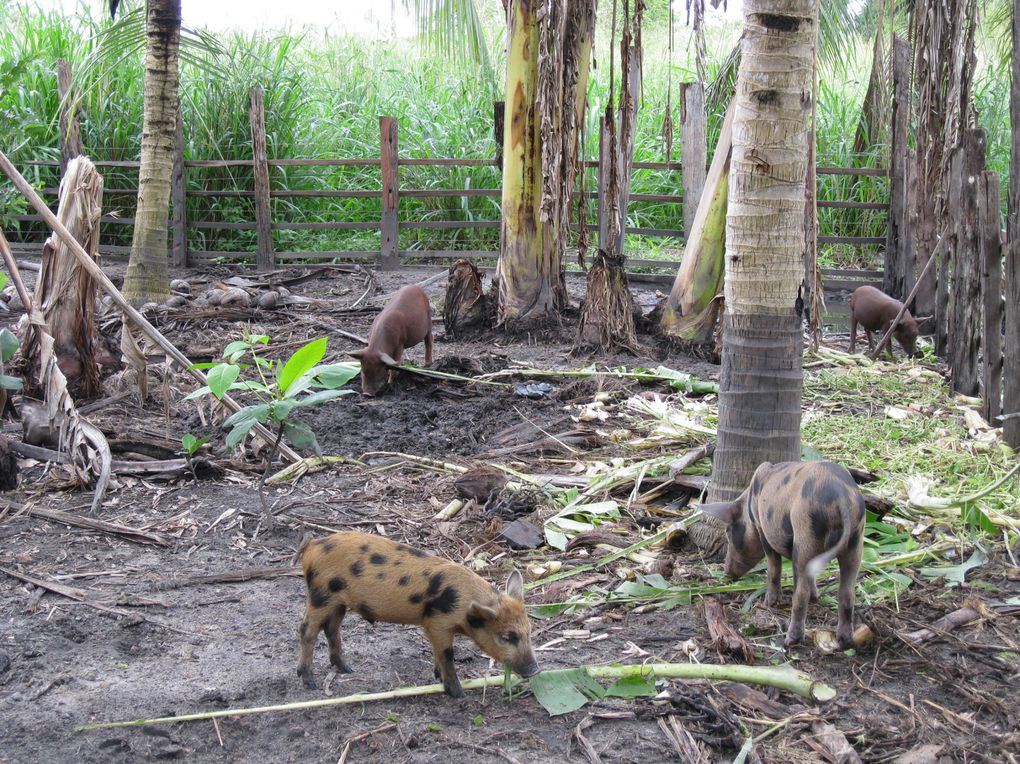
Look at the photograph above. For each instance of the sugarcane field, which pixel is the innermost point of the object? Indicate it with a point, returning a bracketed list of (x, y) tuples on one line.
[(510, 381)]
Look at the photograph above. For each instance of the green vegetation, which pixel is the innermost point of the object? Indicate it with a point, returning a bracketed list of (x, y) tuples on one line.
[(323, 97)]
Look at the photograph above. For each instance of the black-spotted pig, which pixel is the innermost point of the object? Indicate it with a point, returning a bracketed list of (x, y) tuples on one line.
[(383, 580), (874, 310), (808, 512), (403, 323)]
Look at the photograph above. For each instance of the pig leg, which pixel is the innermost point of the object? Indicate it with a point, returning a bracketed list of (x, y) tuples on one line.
[(853, 329), (849, 565), (428, 346), (315, 620), (442, 657), (333, 637), (775, 563), (871, 340), (802, 586)]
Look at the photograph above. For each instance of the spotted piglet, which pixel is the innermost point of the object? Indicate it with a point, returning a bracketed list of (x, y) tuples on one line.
[(808, 512), (383, 580)]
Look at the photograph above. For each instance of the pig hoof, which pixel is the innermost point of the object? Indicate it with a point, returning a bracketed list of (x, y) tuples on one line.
[(456, 692), (791, 640), (341, 666), (846, 641), (771, 599), (309, 682)]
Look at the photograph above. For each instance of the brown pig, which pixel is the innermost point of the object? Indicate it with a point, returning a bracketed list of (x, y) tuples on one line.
[(875, 310), (403, 323), (808, 512), (383, 580)]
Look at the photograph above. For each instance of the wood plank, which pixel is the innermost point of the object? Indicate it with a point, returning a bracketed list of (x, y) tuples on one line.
[(847, 285), (851, 240), (991, 289), (875, 172), (693, 147), (445, 225), (448, 162), (330, 226), (389, 224), (842, 205), (263, 212), (322, 163), (862, 273)]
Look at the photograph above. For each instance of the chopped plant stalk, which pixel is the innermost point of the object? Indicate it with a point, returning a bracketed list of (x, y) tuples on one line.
[(306, 466), (783, 677), (450, 510), (678, 379), (452, 377)]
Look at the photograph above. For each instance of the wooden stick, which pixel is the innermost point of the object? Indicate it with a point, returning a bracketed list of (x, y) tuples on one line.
[(76, 594), (68, 518), (943, 243), (129, 311)]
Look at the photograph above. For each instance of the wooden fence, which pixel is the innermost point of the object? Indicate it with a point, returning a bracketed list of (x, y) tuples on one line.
[(389, 224)]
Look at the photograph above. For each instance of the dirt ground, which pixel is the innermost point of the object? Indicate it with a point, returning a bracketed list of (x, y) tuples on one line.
[(163, 634)]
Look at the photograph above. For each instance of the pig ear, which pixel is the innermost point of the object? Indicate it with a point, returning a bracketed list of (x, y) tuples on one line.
[(480, 613), (515, 586), (727, 511), (359, 354), (388, 360)]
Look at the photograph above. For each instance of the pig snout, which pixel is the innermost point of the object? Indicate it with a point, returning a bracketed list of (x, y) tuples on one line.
[(526, 665)]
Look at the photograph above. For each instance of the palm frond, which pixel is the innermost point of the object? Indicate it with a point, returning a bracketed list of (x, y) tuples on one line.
[(453, 28)]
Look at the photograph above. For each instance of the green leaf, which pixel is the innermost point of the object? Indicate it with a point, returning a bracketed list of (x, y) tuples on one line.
[(199, 393), (3, 279), (974, 517), (248, 415), (478, 721), (191, 444), (809, 454), (321, 396), (300, 435), (561, 692), (7, 382), (280, 410), (251, 386), (8, 344), (236, 435), (681, 380), (235, 350), (258, 339), (955, 574), (204, 365), (304, 359), (555, 538), (633, 687), (335, 374), (221, 377)]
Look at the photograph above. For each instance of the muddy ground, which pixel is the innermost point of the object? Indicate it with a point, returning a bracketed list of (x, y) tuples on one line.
[(159, 637)]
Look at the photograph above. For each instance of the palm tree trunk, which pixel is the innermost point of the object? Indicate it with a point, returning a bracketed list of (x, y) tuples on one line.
[(761, 383), (147, 273), (529, 271)]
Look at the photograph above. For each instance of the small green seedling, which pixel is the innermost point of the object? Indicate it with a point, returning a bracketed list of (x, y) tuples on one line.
[(190, 445), (8, 347), (280, 387)]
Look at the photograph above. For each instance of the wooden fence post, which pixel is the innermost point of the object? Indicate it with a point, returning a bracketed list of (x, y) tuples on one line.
[(964, 336), (179, 222), (991, 288), (265, 257), (70, 132), (693, 149), (389, 224), (898, 278), (498, 115)]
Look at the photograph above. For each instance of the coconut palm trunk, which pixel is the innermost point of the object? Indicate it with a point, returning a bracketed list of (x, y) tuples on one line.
[(147, 274), (761, 382)]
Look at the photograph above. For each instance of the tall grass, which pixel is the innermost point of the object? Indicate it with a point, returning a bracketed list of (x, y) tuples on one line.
[(323, 97)]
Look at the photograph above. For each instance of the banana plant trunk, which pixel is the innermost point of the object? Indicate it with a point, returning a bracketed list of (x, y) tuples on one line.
[(762, 381), (147, 278), (529, 273), (692, 310)]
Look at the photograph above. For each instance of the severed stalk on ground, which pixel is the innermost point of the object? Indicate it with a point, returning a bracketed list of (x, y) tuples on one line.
[(783, 677)]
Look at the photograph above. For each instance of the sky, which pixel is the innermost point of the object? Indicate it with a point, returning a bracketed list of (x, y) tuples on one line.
[(366, 18)]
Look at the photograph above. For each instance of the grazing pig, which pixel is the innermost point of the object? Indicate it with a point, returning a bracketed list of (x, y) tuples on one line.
[(875, 310), (390, 582), (403, 323), (808, 512)]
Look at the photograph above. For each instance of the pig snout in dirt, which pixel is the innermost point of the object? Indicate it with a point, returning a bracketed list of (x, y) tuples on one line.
[(403, 323), (383, 580), (874, 310), (808, 512)]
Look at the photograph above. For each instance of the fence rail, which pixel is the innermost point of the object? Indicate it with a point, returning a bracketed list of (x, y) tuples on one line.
[(386, 169)]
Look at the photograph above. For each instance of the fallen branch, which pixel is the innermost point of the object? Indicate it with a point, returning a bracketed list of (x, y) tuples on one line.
[(724, 637), (783, 677), (78, 595), (67, 518), (973, 610), (303, 467), (229, 577)]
